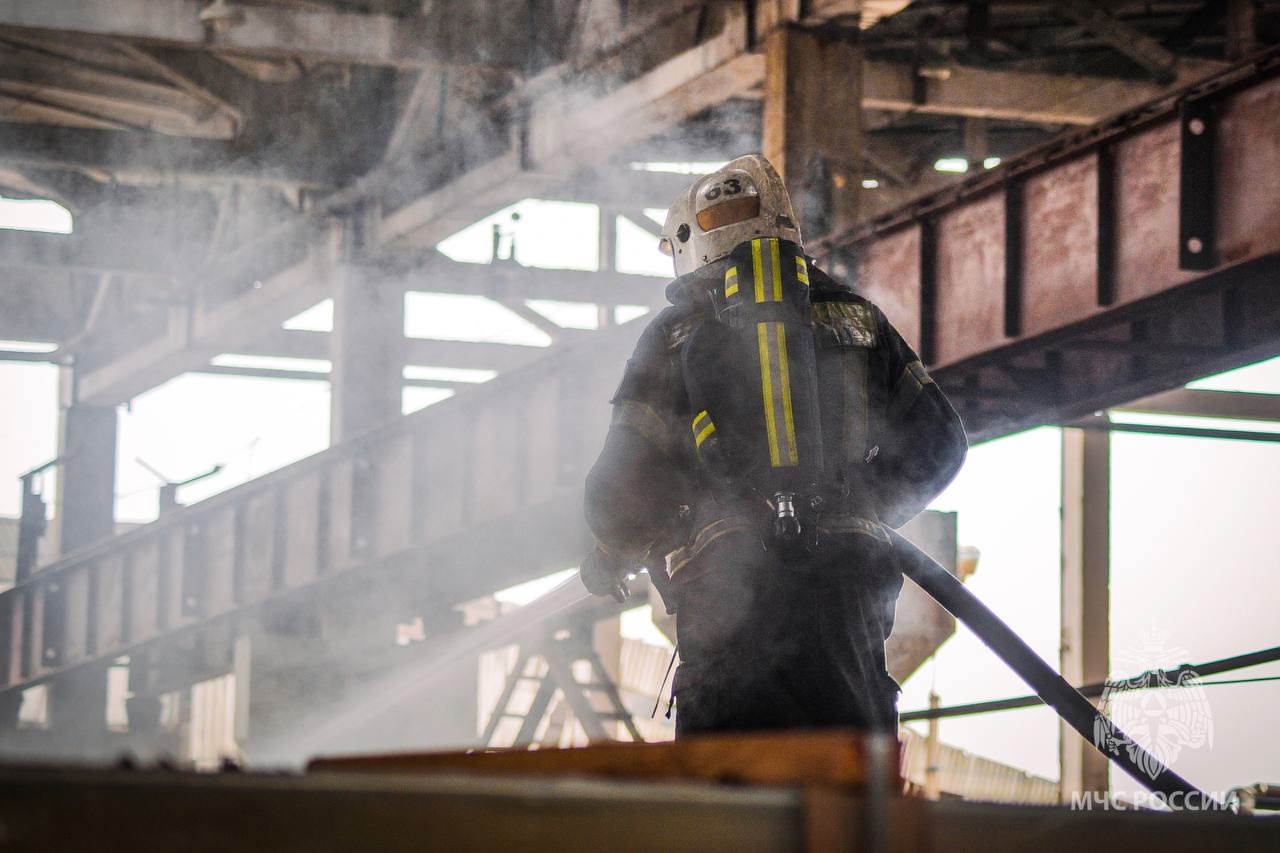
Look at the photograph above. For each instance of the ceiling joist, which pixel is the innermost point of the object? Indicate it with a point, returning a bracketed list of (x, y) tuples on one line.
[(445, 36)]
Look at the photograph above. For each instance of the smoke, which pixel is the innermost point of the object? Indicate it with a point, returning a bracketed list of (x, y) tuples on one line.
[(471, 494), (413, 692)]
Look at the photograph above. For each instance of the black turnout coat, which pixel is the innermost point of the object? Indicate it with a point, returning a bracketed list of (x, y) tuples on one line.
[(769, 640)]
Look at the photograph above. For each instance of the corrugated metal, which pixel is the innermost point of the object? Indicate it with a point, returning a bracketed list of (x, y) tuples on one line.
[(972, 777)]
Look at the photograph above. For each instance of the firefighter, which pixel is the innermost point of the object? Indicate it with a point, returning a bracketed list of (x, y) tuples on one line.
[(768, 426)]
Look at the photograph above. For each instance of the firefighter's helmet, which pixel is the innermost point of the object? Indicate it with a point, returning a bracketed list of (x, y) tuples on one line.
[(741, 201)]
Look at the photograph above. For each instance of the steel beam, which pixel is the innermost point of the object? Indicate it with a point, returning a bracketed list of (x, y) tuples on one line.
[(1087, 235), (1234, 405)]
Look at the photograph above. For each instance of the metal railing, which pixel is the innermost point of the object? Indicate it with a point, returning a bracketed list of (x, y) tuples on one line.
[(510, 455)]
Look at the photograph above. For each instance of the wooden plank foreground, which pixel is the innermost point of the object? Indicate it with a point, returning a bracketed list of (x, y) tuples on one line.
[(829, 758)]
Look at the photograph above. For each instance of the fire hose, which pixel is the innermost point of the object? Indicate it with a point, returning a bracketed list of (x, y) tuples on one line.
[(1077, 711), (1054, 690)]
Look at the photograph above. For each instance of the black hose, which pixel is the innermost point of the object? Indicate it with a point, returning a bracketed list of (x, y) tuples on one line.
[(1077, 711)]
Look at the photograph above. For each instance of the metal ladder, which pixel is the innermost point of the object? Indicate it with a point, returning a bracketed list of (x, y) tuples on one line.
[(560, 655)]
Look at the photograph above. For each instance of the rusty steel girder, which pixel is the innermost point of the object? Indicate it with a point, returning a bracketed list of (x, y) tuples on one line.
[(1110, 263)]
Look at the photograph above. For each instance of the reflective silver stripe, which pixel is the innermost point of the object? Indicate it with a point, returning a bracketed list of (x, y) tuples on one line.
[(766, 265), (680, 557), (802, 270), (854, 524), (776, 395), (853, 361)]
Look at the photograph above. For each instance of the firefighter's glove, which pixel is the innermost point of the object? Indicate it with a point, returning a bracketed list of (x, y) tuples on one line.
[(603, 573)]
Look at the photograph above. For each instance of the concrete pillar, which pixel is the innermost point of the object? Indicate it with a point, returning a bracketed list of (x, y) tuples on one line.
[(86, 501), (813, 123), (366, 347), (608, 255), (1086, 600), (78, 708), (143, 707)]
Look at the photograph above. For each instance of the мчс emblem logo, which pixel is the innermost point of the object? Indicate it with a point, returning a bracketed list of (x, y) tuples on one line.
[(1164, 711)]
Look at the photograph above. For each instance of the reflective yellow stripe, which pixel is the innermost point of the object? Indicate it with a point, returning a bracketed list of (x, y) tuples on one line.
[(802, 270), (766, 388), (700, 433), (757, 267), (702, 436), (788, 418), (776, 263), (731, 281)]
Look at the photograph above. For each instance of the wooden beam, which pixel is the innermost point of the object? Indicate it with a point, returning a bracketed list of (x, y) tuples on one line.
[(418, 116), (1141, 48), (443, 37), (567, 130), (148, 158), (1002, 95), (196, 334), (1022, 96), (835, 758), (31, 185), (812, 124), (891, 160), (1241, 25)]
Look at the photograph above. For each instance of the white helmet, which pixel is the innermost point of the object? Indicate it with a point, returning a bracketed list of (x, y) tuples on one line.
[(743, 200)]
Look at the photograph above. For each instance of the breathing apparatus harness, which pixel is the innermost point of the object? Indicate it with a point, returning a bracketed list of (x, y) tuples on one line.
[(751, 376)]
